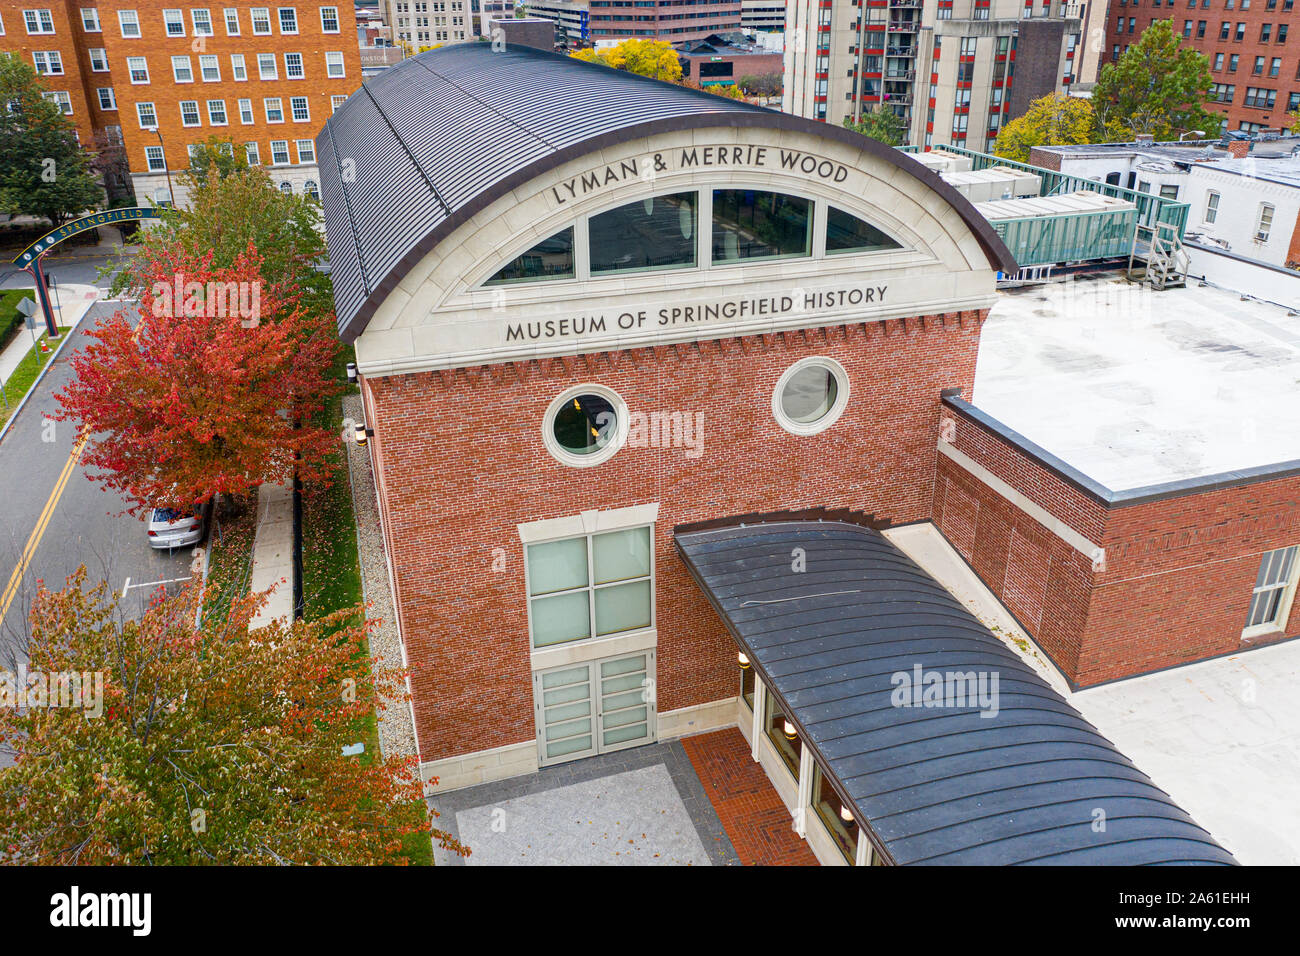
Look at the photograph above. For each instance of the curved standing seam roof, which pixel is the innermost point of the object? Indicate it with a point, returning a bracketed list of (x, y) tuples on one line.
[(428, 143), (939, 785)]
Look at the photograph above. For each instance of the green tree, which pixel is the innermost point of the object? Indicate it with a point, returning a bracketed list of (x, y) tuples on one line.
[(214, 158), (223, 215), (44, 171), (1158, 88), (653, 58), (1051, 120), (882, 124)]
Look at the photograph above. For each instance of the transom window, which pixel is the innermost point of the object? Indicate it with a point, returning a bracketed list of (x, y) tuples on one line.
[(552, 258), (1270, 601), (749, 224), (590, 586), (847, 233)]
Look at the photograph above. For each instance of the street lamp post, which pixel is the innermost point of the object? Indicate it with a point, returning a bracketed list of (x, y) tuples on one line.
[(171, 194)]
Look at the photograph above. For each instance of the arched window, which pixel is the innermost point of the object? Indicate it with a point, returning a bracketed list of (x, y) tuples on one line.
[(848, 233), (286, 187), (654, 233), (550, 259), (310, 188)]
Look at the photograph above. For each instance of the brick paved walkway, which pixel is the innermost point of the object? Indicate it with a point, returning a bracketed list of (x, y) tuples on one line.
[(753, 815)]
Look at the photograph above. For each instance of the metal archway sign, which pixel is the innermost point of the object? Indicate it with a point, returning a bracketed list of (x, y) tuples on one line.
[(30, 258)]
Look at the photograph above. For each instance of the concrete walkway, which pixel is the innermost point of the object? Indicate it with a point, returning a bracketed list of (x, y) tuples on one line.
[(273, 553)]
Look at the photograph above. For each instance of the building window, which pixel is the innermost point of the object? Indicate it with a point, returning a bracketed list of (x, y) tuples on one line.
[(749, 224), (266, 69), (1270, 602), (202, 20), (334, 65), (1169, 191), (209, 69), (337, 100), (310, 189), (1211, 207), (98, 60), (63, 98), (246, 113), (279, 152), (783, 734), (293, 66), (190, 113), (306, 151), (138, 69), (90, 20), (585, 426), (148, 116), (835, 815), (747, 682), (655, 233), (1265, 224), (217, 112), (810, 395), (250, 152), (592, 585), (107, 98), (552, 258), (261, 17), (238, 69), (48, 62), (288, 20), (299, 110), (286, 187), (274, 107), (232, 22), (174, 23), (182, 71), (155, 160), (329, 19), (38, 21), (848, 233)]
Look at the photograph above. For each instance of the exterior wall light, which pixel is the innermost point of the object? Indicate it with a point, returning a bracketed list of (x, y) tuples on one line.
[(363, 434), (352, 373), (790, 732), (846, 815), (743, 661)]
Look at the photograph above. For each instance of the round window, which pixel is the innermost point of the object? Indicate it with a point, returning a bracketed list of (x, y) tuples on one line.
[(810, 396), (585, 425)]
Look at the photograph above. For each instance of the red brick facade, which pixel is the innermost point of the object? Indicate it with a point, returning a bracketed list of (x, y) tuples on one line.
[(461, 462), (1174, 581)]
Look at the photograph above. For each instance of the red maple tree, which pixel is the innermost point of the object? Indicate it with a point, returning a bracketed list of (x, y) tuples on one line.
[(213, 389)]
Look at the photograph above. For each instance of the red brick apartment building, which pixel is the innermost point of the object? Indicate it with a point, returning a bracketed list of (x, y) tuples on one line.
[(655, 382), (669, 20), (1253, 59), (160, 79)]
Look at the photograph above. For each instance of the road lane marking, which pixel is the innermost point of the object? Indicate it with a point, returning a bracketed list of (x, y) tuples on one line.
[(33, 542), (150, 584)]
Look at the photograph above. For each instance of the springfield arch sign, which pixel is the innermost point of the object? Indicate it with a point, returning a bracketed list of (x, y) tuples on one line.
[(106, 218)]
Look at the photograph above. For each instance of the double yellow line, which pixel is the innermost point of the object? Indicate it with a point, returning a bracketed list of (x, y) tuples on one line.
[(33, 542)]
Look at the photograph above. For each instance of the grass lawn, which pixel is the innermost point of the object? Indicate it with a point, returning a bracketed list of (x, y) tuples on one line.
[(11, 320), (331, 573), (20, 383)]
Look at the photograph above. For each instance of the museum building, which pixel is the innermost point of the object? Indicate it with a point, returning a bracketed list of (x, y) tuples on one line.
[(649, 376)]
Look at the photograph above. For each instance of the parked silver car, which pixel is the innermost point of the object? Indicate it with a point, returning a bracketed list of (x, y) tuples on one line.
[(172, 529)]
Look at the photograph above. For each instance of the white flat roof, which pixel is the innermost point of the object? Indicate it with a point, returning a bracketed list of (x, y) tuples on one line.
[(1221, 737), (1135, 387)]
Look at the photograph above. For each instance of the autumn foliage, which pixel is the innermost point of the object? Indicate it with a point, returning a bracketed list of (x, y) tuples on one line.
[(214, 744), (211, 392)]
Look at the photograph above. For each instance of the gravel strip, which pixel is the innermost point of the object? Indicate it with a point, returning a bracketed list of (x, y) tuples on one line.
[(396, 735)]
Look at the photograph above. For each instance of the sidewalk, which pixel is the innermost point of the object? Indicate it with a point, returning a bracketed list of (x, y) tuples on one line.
[(75, 301), (273, 553)]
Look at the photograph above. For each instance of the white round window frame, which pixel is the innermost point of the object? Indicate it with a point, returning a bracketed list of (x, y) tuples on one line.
[(566, 457), (805, 429)]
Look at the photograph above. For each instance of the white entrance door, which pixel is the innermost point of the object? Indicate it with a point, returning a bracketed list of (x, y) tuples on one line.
[(595, 707)]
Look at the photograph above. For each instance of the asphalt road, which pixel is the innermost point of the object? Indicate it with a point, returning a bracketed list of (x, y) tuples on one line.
[(52, 513)]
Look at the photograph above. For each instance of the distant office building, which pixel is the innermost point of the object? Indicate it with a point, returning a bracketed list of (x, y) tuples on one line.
[(762, 15), (609, 21), (719, 60), (572, 18), (954, 70), (424, 23)]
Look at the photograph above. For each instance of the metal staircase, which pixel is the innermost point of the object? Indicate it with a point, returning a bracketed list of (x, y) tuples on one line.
[(1163, 257)]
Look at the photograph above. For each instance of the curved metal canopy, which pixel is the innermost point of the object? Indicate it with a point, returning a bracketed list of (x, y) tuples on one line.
[(1033, 782)]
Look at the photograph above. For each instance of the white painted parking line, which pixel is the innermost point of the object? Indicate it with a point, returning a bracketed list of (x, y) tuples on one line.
[(152, 584)]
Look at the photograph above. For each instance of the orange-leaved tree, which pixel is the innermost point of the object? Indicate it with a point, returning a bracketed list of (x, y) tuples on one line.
[(212, 390), (189, 743)]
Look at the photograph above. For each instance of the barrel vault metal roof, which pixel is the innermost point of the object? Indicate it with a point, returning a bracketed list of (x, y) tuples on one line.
[(431, 141), (935, 785)]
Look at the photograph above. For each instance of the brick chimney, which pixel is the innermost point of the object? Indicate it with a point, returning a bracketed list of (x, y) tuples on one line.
[(1238, 149)]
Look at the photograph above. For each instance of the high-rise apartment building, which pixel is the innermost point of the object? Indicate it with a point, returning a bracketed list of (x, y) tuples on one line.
[(954, 70), (159, 81), (609, 21), (421, 23), (1256, 74)]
